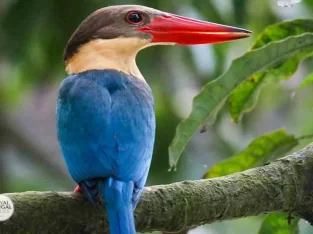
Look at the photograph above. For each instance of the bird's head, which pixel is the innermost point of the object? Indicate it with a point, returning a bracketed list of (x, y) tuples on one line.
[(111, 37)]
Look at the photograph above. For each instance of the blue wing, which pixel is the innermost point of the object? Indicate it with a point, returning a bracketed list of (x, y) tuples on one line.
[(106, 127)]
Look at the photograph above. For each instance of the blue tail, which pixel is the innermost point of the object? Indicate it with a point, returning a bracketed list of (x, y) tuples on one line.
[(117, 196)]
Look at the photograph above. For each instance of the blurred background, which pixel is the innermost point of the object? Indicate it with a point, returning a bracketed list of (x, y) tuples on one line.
[(33, 34)]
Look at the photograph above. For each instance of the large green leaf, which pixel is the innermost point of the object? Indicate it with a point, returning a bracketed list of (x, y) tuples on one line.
[(278, 223), (244, 98), (258, 152), (214, 94)]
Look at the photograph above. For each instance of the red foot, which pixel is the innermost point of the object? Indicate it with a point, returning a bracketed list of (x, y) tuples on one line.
[(77, 189)]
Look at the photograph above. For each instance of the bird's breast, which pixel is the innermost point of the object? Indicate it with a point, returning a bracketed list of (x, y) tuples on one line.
[(106, 125)]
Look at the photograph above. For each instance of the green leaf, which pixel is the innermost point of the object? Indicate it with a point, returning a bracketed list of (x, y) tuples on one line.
[(277, 223), (214, 94), (258, 152), (308, 80), (244, 98)]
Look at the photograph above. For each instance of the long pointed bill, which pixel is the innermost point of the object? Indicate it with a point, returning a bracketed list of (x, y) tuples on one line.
[(186, 31)]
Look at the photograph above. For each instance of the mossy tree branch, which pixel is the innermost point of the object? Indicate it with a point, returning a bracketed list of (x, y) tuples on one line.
[(283, 185)]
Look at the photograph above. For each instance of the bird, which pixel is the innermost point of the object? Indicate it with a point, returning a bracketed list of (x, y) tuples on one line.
[(105, 109)]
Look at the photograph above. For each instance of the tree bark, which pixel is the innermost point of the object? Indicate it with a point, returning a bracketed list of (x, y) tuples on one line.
[(283, 185)]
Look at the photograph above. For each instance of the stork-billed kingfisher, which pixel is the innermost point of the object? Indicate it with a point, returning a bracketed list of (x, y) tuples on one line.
[(105, 109)]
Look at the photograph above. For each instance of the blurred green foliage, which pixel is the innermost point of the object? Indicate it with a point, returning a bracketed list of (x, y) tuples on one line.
[(34, 34), (307, 81), (278, 223), (261, 150)]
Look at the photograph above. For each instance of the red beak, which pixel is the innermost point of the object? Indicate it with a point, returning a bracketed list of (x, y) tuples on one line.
[(186, 31)]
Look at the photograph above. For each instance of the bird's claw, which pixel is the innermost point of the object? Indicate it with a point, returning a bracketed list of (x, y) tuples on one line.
[(77, 189)]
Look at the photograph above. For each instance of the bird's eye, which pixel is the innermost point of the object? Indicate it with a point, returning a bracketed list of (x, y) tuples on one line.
[(134, 17)]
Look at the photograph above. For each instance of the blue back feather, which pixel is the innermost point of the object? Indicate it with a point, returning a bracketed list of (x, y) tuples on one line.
[(106, 129)]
